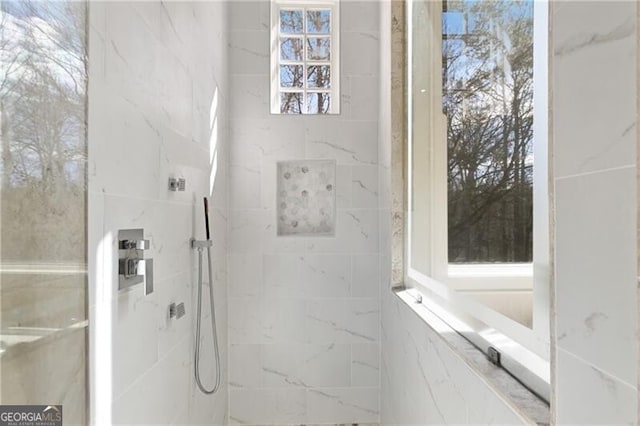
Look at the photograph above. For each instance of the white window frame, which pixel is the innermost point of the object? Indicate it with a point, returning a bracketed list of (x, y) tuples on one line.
[(525, 352), (334, 62)]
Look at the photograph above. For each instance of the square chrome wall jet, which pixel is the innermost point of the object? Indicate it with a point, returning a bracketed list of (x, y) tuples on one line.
[(306, 198)]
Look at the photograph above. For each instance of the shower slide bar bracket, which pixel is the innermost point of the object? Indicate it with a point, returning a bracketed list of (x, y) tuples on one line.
[(200, 244)]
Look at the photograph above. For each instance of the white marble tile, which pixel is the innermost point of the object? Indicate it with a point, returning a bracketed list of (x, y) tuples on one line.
[(96, 43), (172, 372), (249, 15), (152, 16), (603, 52), (158, 69), (183, 158), (282, 365), (361, 15), (353, 405), (257, 141), (386, 239), (283, 275), (349, 142), (365, 275), (139, 67), (345, 96), (363, 230), (342, 320), (245, 366), (134, 325), (176, 24), (364, 183), (218, 188), (211, 21), (208, 125), (124, 58), (597, 263), (426, 382), (250, 96), (272, 243), (290, 325), (343, 187), (249, 52), (245, 231), (269, 185), (250, 321), (327, 365), (244, 187), (365, 364), (111, 136), (267, 406), (245, 275), (171, 331), (363, 98), (326, 275), (356, 232), (599, 398), (359, 52)]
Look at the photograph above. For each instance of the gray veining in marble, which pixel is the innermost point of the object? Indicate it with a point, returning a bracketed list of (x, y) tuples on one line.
[(517, 397)]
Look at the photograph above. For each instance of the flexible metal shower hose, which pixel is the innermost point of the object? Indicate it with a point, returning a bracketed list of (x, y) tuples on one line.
[(213, 325)]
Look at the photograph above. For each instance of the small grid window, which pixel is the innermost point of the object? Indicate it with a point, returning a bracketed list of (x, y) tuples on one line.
[(304, 58)]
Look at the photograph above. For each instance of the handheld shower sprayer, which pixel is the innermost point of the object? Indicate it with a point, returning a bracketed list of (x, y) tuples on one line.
[(206, 217), (200, 246)]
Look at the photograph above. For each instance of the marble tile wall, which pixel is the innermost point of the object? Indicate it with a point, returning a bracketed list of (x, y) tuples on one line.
[(158, 101), (303, 311), (594, 111)]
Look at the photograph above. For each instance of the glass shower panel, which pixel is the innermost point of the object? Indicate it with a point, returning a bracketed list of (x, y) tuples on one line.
[(43, 197)]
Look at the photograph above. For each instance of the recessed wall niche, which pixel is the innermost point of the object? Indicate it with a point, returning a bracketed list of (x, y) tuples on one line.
[(306, 197)]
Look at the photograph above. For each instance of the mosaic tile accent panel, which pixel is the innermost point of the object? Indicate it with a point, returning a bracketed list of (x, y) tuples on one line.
[(306, 198)]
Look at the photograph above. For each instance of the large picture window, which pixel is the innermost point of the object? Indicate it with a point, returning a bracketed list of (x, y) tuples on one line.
[(487, 100), (304, 57), (478, 229)]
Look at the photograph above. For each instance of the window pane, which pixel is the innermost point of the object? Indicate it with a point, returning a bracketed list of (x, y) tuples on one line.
[(319, 21), (488, 103), (318, 103), (318, 48), (291, 76), (453, 23), (319, 76), (291, 21), (290, 103), (291, 49)]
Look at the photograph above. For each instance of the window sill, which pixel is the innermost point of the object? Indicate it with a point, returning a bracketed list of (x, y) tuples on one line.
[(517, 396)]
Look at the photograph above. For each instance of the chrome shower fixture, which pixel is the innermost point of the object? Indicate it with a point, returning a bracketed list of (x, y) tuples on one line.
[(200, 245)]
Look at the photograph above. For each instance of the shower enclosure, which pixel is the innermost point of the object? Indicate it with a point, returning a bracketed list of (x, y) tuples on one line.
[(43, 273)]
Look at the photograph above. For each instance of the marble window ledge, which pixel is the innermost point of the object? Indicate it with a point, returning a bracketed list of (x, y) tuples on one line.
[(529, 406)]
